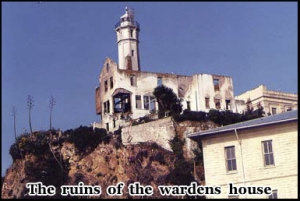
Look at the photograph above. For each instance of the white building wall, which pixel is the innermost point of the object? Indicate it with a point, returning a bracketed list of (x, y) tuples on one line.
[(193, 89), (282, 177), (269, 99), (203, 87)]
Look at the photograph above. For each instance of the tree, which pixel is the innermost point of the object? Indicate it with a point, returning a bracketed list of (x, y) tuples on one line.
[(249, 107), (167, 101), (51, 105), (29, 107), (14, 111), (260, 110)]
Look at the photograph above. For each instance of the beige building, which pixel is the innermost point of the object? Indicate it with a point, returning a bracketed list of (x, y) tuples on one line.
[(125, 92), (258, 153), (273, 101)]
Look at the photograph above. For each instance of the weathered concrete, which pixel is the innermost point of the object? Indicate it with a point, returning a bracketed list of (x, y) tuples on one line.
[(164, 130), (160, 131)]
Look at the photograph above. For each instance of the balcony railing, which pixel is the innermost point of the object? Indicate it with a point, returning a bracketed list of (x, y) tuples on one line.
[(134, 23)]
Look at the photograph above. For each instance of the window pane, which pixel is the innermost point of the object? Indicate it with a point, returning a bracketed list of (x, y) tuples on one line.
[(234, 164), (265, 144), (271, 159), (267, 161), (229, 165), (232, 153), (228, 153), (270, 146)]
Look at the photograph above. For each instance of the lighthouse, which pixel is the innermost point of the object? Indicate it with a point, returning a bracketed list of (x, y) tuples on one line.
[(127, 31)]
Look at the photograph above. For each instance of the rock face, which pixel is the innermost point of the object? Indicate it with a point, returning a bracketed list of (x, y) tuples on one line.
[(107, 164)]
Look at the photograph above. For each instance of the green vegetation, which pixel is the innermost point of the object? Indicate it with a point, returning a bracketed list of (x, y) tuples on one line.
[(181, 174), (35, 144), (167, 101), (85, 140), (219, 117)]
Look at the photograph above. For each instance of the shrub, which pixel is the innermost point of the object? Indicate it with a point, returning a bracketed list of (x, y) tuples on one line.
[(191, 115), (176, 145), (36, 144), (86, 139)]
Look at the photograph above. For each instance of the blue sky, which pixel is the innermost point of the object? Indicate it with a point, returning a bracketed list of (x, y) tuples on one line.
[(58, 48)]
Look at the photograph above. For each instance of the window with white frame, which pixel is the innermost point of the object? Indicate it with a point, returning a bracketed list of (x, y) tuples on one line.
[(230, 158), (268, 152)]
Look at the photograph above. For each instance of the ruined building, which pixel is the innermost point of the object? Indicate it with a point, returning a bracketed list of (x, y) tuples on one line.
[(125, 92)]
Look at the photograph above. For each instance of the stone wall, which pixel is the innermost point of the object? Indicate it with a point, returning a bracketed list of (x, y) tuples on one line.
[(163, 130), (160, 131)]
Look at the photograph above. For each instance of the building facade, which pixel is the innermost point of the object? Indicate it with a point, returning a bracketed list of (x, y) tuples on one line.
[(260, 152), (125, 92), (273, 102)]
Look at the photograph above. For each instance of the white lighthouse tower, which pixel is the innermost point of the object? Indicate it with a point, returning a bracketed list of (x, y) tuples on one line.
[(128, 41)]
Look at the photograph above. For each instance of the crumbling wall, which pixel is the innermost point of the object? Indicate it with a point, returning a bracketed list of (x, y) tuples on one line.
[(164, 130), (160, 131)]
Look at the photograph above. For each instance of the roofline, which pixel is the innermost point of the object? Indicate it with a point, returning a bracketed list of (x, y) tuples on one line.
[(210, 132)]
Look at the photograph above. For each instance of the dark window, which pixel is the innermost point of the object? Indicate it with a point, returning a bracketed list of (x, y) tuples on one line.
[(107, 67), (131, 33), (122, 103), (138, 101), (188, 103), (133, 80), (106, 107), (217, 104), (111, 82), (159, 81), (107, 126), (132, 52), (274, 110), (273, 195), (227, 104), (216, 85), (114, 121), (105, 85), (268, 152), (146, 102), (230, 158), (207, 103)]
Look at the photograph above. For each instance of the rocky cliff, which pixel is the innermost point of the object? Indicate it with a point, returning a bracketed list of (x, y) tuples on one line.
[(97, 159)]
